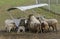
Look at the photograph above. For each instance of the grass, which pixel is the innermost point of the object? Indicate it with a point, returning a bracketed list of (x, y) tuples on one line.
[(53, 5), (5, 4), (55, 8)]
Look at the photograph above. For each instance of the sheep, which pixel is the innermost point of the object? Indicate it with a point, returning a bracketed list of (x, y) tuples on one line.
[(9, 25), (33, 24), (21, 29), (44, 26), (51, 22)]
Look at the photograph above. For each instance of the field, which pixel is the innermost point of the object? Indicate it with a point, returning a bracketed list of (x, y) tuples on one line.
[(6, 4)]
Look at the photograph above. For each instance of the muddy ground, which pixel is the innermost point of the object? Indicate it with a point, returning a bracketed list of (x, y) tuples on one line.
[(26, 35), (12, 35), (50, 35)]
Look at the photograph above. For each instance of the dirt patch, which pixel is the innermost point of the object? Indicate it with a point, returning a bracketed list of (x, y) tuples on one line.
[(14, 35), (50, 35)]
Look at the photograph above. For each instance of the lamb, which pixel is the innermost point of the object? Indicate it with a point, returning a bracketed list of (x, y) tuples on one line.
[(44, 26), (33, 24), (21, 29), (9, 25), (51, 22)]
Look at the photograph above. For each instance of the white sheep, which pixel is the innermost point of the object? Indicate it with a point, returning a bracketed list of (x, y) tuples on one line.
[(9, 24), (21, 29), (51, 22), (33, 24)]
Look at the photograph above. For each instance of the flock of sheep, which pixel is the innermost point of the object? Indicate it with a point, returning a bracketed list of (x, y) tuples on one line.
[(32, 24)]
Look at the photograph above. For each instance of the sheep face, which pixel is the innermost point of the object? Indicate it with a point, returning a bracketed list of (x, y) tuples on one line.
[(21, 29)]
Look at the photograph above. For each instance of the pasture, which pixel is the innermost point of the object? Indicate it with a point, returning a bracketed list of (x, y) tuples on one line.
[(5, 4)]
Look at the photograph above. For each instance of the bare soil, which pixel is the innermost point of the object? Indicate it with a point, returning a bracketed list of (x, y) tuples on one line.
[(13, 35), (26, 35)]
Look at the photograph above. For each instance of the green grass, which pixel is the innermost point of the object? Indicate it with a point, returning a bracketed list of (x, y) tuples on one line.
[(5, 4), (53, 5), (16, 2), (55, 8)]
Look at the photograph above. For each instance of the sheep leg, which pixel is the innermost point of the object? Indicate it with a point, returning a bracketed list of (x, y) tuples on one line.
[(29, 30), (7, 29), (49, 28), (38, 30), (55, 28), (18, 31), (10, 29), (41, 29)]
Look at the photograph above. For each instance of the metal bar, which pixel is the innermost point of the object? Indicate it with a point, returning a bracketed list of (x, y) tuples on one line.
[(36, 1), (49, 5), (57, 2)]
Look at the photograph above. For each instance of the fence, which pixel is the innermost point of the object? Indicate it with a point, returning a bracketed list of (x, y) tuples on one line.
[(54, 5)]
